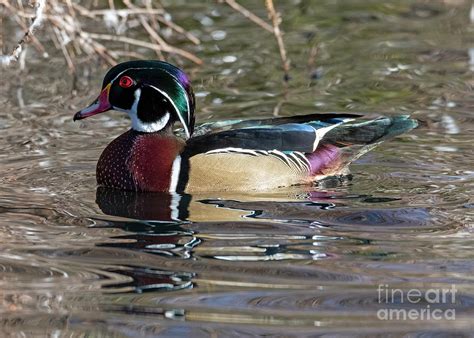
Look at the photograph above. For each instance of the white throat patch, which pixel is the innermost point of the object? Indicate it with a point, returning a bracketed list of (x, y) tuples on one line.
[(137, 124)]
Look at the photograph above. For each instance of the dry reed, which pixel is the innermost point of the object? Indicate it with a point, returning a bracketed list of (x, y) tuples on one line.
[(67, 22)]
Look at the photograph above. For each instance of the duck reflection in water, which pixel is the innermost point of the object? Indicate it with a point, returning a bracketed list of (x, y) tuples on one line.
[(155, 218), (154, 224), (292, 225), (169, 224), (172, 209)]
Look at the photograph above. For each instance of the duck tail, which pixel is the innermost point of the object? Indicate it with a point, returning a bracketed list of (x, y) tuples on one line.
[(349, 141), (370, 132)]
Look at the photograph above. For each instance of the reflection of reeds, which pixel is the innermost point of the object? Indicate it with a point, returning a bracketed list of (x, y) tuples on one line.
[(66, 20)]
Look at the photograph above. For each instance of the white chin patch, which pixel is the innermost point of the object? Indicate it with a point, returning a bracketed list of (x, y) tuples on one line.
[(149, 127), (145, 127)]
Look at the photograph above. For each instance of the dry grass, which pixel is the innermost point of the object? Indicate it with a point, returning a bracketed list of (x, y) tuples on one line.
[(67, 24)]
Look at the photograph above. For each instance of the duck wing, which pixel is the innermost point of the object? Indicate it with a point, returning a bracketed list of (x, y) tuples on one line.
[(220, 126), (263, 156), (299, 133)]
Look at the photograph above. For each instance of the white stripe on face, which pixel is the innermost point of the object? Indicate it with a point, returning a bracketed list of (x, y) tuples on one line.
[(188, 134), (184, 123)]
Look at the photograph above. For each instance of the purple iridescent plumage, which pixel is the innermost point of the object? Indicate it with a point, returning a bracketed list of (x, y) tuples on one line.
[(184, 79), (325, 158), (240, 155)]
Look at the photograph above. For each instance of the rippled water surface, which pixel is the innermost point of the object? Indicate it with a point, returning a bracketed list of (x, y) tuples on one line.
[(76, 260)]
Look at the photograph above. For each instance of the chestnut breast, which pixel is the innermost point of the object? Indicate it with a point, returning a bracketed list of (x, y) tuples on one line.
[(139, 161)]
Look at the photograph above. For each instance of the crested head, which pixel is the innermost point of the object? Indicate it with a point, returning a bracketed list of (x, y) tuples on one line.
[(155, 94)]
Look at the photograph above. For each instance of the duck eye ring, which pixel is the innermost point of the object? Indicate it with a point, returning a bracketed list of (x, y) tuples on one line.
[(126, 82)]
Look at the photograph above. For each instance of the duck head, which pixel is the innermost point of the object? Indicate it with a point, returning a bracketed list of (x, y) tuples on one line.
[(155, 94)]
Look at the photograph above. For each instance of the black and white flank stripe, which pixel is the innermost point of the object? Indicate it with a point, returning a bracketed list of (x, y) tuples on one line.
[(295, 160)]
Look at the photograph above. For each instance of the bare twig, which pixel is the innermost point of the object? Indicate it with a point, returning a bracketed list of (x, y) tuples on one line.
[(39, 47), (179, 29), (314, 72), (276, 20), (277, 108), (120, 12), (312, 56), (88, 45), (163, 45), (70, 8), (275, 17), (5, 60), (166, 22), (66, 19), (153, 35), (129, 54), (136, 42), (248, 14), (154, 22), (62, 45)]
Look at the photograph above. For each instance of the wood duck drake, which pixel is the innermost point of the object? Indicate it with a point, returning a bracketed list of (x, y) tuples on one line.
[(235, 155)]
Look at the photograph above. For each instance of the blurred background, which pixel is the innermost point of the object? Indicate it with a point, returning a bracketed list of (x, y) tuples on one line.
[(77, 261)]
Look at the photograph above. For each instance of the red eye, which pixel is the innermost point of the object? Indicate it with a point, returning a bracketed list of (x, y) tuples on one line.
[(126, 82)]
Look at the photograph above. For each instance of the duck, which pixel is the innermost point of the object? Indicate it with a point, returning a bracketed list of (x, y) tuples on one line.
[(229, 155)]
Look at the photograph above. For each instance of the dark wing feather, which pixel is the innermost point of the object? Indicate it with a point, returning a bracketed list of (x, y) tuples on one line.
[(286, 137), (369, 132), (220, 126), (296, 133), (302, 134), (295, 137), (275, 121)]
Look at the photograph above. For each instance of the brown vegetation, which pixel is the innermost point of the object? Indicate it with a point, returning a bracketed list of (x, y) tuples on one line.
[(66, 24)]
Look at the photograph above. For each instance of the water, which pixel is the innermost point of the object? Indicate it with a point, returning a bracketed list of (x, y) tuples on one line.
[(76, 261)]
